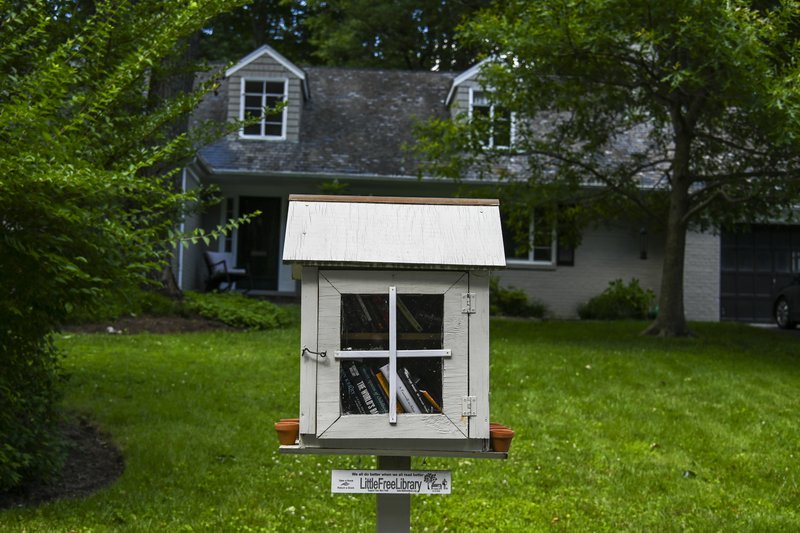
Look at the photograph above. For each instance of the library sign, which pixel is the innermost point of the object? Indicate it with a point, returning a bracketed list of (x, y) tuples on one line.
[(391, 481)]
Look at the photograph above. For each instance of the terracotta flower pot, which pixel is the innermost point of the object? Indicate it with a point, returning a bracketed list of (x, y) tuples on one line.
[(290, 420), (493, 425), (288, 431), (501, 438)]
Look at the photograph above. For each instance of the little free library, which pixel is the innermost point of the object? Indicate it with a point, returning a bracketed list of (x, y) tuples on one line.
[(395, 324)]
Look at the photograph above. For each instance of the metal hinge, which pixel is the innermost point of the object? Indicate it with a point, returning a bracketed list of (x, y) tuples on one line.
[(468, 303), (469, 406)]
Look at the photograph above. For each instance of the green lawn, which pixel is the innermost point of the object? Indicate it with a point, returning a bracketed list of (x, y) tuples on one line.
[(614, 432)]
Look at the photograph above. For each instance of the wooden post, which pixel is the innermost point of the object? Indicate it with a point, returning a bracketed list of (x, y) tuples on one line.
[(394, 510)]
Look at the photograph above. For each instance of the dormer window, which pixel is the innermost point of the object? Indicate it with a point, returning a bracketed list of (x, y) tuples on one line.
[(259, 101), (499, 132)]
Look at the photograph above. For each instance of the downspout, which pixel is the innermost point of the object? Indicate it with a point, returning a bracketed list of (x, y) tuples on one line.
[(182, 230)]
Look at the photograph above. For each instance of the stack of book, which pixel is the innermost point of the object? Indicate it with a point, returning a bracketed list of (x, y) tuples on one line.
[(365, 391)]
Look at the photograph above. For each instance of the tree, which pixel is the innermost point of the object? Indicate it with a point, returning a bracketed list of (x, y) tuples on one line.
[(81, 210), (709, 87), (391, 34), (280, 23)]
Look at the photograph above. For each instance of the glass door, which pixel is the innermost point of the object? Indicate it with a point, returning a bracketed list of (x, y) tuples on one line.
[(399, 346)]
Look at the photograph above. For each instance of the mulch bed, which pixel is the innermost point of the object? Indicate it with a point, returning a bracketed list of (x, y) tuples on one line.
[(93, 462), (149, 324)]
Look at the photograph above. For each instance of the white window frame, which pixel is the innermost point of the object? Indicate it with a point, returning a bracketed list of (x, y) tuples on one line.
[(513, 120), (530, 261), (263, 136)]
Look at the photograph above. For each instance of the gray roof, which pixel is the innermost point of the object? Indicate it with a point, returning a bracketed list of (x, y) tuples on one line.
[(356, 122)]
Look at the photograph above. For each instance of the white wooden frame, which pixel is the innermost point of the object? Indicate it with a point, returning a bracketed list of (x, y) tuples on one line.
[(330, 423), (284, 116)]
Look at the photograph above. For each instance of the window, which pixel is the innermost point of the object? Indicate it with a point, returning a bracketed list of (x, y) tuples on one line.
[(259, 100), (542, 246), (499, 121)]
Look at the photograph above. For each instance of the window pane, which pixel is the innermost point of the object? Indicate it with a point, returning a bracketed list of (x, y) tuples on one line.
[(501, 128), (252, 112), (273, 130), (252, 101), (365, 322), (275, 87), (544, 254), (254, 87), (252, 129), (420, 320)]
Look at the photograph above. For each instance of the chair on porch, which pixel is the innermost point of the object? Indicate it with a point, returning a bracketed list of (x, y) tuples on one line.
[(221, 269)]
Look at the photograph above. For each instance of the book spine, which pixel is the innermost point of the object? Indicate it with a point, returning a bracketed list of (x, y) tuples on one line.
[(403, 395), (416, 395), (350, 400), (361, 388), (375, 391), (385, 388)]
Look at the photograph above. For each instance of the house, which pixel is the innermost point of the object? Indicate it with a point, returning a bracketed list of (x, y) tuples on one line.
[(348, 128)]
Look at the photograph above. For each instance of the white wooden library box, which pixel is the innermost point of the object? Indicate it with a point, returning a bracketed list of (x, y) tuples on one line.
[(395, 322)]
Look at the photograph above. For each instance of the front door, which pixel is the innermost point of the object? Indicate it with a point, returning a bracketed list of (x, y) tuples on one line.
[(259, 241)]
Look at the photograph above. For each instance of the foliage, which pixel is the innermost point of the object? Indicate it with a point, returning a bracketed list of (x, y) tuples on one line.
[(391, 34), (237, 310), (610, 426), (680, 114), (134, 302), (280, 23), (619, 302), (355, 33), (85, 208), (510, 301)]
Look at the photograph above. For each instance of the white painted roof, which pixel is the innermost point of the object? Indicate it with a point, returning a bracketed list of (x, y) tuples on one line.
[(400, 232)]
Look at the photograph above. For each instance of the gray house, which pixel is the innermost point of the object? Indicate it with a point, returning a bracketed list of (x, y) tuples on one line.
[(352, 126)]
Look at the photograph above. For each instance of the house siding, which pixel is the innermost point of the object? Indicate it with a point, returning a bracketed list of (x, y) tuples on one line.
[(605, 254), (267, 67)]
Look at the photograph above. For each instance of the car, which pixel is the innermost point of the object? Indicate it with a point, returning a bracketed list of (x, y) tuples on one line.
[(786, 305)]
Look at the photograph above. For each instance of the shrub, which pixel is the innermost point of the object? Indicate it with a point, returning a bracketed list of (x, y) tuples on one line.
[(237, 310), (30, 443), (111, 306), (619, 302), (510, 301)]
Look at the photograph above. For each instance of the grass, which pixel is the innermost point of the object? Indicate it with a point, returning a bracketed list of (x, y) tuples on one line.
[(614, 432)]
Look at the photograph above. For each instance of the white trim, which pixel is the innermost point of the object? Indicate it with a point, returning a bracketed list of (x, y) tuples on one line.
[(284, 116), (464, 76), (266, 49)]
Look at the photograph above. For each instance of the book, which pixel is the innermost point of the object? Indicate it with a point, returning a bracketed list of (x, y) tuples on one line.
[(362, 393), (349, 399), (430, 400), (385, 388), (403, 395), (368, 375), (411, 385)]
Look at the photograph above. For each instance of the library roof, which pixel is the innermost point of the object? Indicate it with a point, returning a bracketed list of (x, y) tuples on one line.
[(391, 231)]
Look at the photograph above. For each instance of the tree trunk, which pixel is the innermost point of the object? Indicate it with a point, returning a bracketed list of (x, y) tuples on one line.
[(671, 319)]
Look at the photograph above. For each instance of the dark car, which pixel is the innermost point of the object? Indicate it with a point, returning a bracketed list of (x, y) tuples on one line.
[(786, 307)]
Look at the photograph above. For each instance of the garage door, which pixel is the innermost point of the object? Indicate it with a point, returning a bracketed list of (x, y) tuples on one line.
[(755, 263)]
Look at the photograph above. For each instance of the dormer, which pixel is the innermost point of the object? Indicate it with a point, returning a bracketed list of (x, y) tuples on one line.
[(261, 81), (469, 96)]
